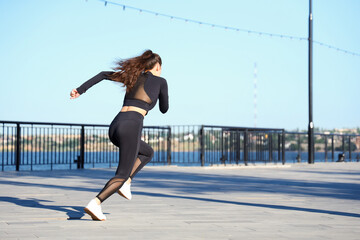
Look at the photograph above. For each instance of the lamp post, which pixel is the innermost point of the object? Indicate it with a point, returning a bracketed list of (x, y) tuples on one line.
[(311, 124)]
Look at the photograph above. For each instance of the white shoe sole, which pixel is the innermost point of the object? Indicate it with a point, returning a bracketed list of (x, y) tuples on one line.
[(93, 216), (121, 194)]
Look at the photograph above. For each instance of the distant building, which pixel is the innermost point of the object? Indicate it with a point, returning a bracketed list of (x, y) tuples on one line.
[(346, 130)]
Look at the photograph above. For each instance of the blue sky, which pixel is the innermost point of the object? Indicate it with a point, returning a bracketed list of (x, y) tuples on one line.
[(49, 47)]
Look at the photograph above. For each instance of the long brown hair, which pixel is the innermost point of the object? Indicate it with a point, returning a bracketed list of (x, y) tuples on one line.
[(128, 70)]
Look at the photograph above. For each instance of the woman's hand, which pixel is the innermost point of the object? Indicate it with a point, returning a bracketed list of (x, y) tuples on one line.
[(74, 94)]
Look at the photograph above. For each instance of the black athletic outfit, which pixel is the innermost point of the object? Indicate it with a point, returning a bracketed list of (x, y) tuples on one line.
[(125, 129)]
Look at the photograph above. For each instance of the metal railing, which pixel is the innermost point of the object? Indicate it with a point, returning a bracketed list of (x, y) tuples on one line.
[(209, 145), (328, 147), (245, 145), (41, 145)]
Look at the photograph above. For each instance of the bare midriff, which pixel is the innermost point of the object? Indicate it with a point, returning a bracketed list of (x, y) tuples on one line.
[(133, 109)]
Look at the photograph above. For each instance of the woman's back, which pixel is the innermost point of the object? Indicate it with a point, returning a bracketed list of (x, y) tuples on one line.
[(147, 89)]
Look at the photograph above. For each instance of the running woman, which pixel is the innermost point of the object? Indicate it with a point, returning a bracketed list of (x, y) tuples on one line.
[(144, 86)]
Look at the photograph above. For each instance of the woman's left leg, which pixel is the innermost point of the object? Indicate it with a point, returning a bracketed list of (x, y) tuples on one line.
[(128, 135), (124, 132)]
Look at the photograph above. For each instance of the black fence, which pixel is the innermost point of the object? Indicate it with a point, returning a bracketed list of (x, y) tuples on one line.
[(38, 145), (329, 147), (35, 145), (210, 145)]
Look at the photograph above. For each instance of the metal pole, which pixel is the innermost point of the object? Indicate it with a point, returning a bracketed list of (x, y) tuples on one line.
[(255, 94), (279, 143), (222, 158), (18, 147), (311, 124), (270, 147), (283, 147), (169, 146), (246, 147), (82, 148), (350, 148), (202, 149), (326, 150), (332, 148), (237, 146), (299, 148)]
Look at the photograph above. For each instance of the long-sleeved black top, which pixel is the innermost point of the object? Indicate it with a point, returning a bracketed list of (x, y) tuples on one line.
[(147, 89)]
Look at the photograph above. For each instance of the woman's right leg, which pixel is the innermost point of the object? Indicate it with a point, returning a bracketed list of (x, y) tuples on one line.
[(145, 155)]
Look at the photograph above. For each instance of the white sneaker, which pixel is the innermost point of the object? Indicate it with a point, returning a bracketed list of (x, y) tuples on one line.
[(94, 210), (125, 191)]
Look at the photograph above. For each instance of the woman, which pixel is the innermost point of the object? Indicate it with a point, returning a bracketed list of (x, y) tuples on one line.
[(141, 77)]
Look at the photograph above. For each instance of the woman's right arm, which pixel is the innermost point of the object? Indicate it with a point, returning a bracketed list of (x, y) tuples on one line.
[(94, 80), (164, 97)]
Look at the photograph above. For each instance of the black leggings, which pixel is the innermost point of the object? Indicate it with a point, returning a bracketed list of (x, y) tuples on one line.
[(125, 133)]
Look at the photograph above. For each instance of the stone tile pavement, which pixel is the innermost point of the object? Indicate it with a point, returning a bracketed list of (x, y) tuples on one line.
[(301, 201)]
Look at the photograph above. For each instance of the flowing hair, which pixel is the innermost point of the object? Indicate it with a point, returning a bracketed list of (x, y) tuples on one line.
[(128, 70)]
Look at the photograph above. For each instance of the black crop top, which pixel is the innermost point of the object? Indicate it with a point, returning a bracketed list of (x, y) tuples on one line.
[(147, 89)]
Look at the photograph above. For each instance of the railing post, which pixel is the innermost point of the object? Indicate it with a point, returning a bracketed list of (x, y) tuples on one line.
[(258, 145), (299, 148), (270, 147), (246, 147), (332, 148), (262, 147), (18, 147), (3, 146), (279, 143), (326, 151), (82, 148), (169, 146), (222, 146), (350, 148), (53, 143), (237, 146), (283, 147), (202, 148)]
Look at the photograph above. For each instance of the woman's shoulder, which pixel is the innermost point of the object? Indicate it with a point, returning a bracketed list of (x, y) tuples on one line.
[(160, 80)]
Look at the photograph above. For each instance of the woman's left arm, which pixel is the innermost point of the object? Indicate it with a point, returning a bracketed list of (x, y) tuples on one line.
[(94, 80)]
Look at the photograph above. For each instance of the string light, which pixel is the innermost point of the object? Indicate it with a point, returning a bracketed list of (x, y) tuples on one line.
[(186, 20), (337, 49)]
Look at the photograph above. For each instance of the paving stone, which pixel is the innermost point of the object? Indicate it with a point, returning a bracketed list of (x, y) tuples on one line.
[(300, 201)]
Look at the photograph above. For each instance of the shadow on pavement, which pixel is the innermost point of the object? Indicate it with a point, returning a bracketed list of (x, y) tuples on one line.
[(73, 212), (272, 206), (184, 183)]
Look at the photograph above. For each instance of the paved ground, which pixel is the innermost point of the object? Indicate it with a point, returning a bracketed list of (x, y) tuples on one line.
[(320, 201)]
